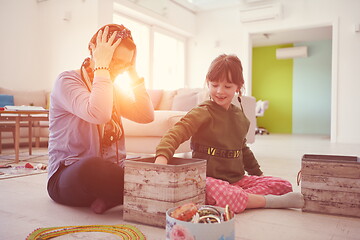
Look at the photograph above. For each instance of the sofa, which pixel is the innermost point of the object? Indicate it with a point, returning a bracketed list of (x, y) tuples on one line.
[(28, 98), (169, 107)]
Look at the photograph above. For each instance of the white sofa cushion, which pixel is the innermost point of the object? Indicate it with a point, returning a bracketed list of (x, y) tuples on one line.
[(184, 102), (155, 96), (163, 120), (148, 145), (167, 100), (187, 98)]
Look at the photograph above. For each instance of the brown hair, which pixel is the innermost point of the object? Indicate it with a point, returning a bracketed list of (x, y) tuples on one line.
[(227, 67), (122, 32)]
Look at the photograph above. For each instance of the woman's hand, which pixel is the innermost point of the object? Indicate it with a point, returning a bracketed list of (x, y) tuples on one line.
[(132, 69), (103, 52), (161, 160), (133, 60)]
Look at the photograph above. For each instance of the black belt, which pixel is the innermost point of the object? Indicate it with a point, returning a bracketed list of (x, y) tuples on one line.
[(216, 152)]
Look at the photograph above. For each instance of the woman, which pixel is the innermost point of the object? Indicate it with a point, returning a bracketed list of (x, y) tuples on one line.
[(86, 141)]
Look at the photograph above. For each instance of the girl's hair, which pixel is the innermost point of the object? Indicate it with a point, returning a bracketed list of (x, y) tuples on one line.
[(226, 67)]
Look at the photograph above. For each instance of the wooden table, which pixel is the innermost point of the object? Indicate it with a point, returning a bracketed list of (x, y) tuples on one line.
[(14, 118)]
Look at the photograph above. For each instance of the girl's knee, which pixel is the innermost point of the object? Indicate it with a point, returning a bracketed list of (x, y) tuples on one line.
[(221, 193), (283, 187)]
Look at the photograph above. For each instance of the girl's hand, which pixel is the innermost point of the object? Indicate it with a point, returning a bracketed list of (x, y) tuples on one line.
[(161, 160), (103, 52)]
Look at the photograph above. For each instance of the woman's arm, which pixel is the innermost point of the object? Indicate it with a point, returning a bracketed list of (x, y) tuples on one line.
[(94, 106), (137, 108), (73, 96)]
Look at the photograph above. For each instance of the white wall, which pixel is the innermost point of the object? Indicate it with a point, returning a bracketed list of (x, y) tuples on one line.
[(222, 32), (64, 43), (37, 43), (18, 47)]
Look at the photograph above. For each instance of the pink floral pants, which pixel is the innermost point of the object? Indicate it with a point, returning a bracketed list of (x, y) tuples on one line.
[(220, 193)]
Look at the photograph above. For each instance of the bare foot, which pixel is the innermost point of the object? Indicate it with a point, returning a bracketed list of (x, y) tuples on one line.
[(99, 206)]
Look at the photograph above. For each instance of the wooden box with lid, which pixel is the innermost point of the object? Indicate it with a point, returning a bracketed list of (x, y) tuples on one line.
[(331, 184), (151, 189)]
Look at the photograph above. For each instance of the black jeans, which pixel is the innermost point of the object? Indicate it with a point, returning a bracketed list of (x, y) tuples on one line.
[(85, 181)]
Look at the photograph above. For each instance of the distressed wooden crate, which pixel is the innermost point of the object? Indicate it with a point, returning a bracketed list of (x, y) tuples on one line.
[(331, 184), (151, 189)]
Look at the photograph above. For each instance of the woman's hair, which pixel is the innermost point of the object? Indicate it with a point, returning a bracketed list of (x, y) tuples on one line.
[(122, 32), (226, 67)]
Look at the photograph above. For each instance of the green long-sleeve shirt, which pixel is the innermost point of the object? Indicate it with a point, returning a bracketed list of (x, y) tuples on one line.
[(217, 135)]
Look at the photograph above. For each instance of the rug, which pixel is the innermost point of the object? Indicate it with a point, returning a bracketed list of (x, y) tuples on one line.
[(18, 171), (24, 156), (125, 232), (10, 169)]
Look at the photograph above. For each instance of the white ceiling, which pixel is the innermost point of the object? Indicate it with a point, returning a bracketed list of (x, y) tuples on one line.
[(268, 38), (204, 5)]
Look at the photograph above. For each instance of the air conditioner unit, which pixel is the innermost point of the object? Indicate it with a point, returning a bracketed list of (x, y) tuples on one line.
[(261, 13), (292, 52)]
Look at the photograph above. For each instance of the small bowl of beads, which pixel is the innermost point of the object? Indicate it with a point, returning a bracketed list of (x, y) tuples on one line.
[(193, 222)]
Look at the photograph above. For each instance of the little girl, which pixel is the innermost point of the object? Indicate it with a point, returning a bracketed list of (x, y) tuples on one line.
[(217, 129)]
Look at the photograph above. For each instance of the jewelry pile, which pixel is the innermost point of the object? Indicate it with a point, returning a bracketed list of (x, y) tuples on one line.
[(190, 212)]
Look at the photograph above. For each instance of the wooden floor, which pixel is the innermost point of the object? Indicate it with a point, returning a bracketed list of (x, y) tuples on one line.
[(26, 206)]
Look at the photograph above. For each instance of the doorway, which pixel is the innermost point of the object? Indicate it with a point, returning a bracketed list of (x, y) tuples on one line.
[(305, 119)]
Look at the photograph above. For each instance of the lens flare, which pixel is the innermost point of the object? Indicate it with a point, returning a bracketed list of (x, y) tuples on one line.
[(123, 84)]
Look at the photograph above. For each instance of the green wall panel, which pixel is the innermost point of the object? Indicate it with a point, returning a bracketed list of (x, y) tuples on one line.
[(272, 81)]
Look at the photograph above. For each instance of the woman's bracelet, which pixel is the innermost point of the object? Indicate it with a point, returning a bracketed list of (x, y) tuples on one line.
[(101, 68)]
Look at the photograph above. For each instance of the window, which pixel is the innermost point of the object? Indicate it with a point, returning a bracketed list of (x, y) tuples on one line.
[(141, 36), (168, 64), (160, 54)]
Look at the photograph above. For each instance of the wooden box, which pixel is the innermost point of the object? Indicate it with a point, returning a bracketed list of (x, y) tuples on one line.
[(151, 189), (331, 184)]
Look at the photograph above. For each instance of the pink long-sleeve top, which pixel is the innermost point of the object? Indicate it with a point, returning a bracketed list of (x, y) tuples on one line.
[(76, 114)]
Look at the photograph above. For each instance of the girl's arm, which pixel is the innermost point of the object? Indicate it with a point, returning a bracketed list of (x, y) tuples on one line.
[(251, 165), (179, 133)]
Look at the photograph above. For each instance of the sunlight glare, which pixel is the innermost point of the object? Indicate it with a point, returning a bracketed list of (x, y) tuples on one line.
[(123, 83)]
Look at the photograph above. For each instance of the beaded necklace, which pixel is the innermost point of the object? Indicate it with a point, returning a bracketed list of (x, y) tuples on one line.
[(126, 232)]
